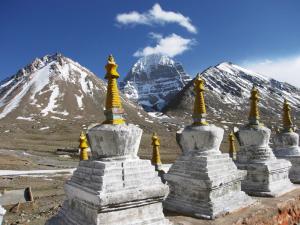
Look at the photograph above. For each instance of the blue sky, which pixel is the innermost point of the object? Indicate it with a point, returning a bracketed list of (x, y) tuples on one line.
[(263, 35)]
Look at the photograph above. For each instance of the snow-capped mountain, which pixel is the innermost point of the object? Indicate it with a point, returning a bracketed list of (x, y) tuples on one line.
[(53, 86), (153, 80), (227, 96)]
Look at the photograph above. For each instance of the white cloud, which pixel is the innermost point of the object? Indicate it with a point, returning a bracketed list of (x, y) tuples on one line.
[(155, 36), (156, 15), (132, 18), (171, 45), (283, 69)]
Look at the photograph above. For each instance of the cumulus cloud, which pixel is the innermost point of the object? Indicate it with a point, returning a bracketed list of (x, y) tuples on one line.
[(171, 45), (283, 69), (156, 15)]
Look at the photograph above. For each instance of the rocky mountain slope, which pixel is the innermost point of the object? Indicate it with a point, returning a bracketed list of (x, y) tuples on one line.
[(227, 97), (46, 104), (154, 80)]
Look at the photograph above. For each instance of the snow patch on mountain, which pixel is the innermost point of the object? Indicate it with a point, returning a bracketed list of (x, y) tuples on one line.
[(79, 100), (52, 101), (130, 91), (25, 118)]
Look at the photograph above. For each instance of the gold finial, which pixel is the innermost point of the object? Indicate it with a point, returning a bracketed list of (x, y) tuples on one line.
[(286, 117), (254, 112), (111, 68), (232, 150), (199, 104), (83, 147), (156, 154), (114, 111)]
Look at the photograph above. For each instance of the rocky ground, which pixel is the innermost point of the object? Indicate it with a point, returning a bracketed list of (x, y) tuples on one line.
[(48, 195)]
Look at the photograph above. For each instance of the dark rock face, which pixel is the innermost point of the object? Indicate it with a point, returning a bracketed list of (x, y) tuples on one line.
[(155, 79)]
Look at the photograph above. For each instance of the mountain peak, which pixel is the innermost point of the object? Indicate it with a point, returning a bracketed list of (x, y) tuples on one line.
[(233, 69), (153, 79), (146, 63)]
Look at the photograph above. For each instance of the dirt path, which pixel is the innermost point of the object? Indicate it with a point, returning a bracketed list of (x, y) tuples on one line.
[(24, 160)]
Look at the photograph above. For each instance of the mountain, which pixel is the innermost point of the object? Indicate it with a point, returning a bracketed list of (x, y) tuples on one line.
[(227, 95), (153, 81), (46, 104), (52, 87)]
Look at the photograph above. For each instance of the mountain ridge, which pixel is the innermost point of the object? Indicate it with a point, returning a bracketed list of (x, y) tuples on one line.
[(227, 95)]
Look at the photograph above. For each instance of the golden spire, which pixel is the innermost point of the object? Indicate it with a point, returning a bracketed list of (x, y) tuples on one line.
[(156, 154), (114, 111), (83, 147), (286, 117), (254, 112), (232, 150), (199, 104)]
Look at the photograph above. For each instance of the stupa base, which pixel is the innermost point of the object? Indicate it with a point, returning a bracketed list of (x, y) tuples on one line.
[(125, 192), (205, 186), (267, 179), (294, 173)]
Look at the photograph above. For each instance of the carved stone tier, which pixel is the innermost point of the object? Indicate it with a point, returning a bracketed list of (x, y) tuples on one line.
[(116, 188), (287, 147), (267, 176), (204, 182)]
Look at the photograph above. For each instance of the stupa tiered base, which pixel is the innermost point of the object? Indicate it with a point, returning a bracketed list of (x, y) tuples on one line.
[(116, 187), (203, 182), (113, 192), (267, 176), (287, 147)]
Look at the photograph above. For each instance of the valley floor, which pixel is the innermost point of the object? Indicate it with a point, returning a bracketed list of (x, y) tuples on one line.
[(48, 194)]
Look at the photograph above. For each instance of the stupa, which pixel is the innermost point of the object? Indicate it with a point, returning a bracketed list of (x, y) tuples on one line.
[(286, 144), (114, 187), (267, 176), (203, 182)]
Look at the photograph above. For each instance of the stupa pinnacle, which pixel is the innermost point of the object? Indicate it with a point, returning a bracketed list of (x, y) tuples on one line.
[(114, 111), (254, 111), (286, 117), (156, 154), (199, 115), (83, 146), (232, 150)]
